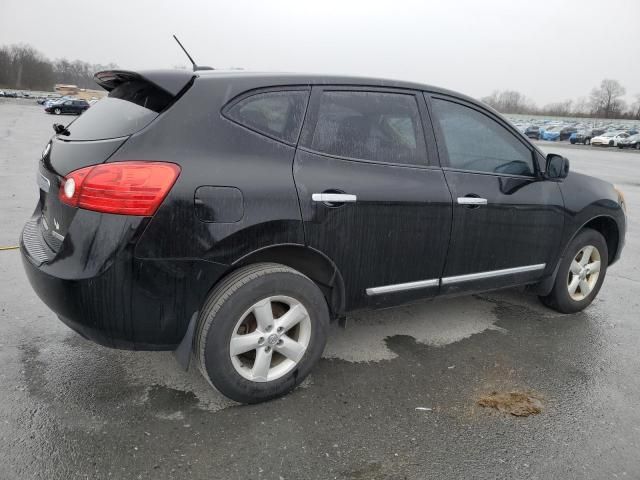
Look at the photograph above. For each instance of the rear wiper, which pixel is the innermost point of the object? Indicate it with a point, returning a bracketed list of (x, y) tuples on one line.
[(61, 129)]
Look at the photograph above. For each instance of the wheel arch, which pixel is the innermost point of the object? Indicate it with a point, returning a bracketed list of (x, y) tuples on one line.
[(603, 224), (312, 263), (609, 229)]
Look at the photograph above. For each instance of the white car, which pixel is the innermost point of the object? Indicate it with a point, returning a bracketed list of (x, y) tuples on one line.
[(608, 139)]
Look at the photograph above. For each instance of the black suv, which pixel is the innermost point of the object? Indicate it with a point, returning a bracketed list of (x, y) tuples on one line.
[(75, 107), (234, 215)]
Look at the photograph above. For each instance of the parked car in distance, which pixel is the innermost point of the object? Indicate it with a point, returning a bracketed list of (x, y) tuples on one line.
[(533, 131), (608, 139), (566, 132), (633, 141), (46, 98), (551, 134), (75, 107), (10, 94), (581, 136), (215, 217), (53, 100)]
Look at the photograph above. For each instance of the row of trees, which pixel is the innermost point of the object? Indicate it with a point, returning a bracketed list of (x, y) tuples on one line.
[(605, 101), (23, 67)]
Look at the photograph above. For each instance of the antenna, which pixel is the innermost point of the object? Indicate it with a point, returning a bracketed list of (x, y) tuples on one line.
[(195, 66)]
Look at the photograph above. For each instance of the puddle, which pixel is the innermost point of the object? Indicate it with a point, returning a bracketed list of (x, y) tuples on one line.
[(519, 404), (434, 323)]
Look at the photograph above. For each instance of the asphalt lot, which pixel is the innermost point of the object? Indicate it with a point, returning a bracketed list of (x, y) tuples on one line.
[(71, 409)]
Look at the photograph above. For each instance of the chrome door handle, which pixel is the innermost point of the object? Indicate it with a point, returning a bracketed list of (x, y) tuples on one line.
[(334, 198), (472, 201)]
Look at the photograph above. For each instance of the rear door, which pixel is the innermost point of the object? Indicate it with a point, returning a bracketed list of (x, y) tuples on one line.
[(371, 196), (507, 220)]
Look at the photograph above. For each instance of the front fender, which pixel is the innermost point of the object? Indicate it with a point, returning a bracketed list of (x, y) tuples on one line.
[(589, 203)]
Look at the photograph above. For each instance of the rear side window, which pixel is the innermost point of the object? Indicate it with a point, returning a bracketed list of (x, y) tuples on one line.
[(277, 114), (476, 142), (377, 126), (129, 108)]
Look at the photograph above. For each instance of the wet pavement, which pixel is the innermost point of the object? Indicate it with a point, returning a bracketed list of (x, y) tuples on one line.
[(394, 397)]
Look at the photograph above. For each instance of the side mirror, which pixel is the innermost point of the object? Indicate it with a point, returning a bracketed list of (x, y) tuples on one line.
[(557, 167)]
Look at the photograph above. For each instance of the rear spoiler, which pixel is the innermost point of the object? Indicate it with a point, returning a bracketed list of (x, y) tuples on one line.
[(171, 81)]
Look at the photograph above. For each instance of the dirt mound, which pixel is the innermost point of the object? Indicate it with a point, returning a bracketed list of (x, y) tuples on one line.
[(519, 404)]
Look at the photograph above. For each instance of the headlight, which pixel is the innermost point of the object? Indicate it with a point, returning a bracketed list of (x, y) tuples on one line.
[(621, 199)]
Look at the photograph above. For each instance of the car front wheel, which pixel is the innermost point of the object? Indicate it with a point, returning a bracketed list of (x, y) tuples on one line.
[(261, 331), (580, 274)]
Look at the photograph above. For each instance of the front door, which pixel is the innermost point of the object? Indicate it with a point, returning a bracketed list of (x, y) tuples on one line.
[(507, 220), (370, 198)]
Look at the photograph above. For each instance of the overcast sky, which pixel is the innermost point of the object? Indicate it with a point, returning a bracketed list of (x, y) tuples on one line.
[(548, 50)]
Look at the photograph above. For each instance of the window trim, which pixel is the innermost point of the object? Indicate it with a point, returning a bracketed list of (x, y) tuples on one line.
[(442, 147), (311, 121), (227, 107)]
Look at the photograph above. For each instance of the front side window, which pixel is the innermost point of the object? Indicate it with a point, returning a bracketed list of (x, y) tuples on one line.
[(476, 142), (278, 114), (382, 127)]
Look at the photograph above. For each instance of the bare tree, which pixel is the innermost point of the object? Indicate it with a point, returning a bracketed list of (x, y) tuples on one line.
[(23, 67), (558, 109), (634, 110), (581, 107), (509, 101), (606, 101)]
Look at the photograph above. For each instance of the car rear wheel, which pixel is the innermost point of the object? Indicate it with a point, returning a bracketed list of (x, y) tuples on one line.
[(261, 331), (57, 111), (580, 274), (611, 143)]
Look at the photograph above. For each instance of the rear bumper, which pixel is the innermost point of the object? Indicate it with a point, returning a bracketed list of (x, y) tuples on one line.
[(100, 290)]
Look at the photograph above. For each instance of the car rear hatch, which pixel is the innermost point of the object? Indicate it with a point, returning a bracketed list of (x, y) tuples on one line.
[(135, 100)]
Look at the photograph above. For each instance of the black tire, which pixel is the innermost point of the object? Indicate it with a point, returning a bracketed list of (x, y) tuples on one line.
[(57, 111), (559, 299), (611, 143), (226, 305), (638, 146)]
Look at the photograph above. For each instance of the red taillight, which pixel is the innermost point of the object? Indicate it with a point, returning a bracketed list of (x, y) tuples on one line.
[(126, 188)]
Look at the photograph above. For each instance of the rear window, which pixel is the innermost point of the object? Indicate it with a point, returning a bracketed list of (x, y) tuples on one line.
[(129, 108), (377, 126), (277, 114)]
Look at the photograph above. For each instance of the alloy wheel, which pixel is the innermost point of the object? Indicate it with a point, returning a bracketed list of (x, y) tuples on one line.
[(270, 339), (583, 273)]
